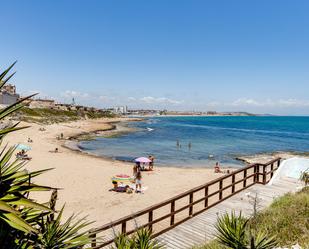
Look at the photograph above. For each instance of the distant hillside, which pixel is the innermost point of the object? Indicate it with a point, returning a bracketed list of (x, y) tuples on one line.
[(49, 116)]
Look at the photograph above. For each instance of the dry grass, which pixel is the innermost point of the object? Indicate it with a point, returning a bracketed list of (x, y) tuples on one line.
[(49, 116), (287, 219)]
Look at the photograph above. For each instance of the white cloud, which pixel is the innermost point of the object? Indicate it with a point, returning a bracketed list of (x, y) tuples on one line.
[(39, 94), (132, 99), (294, 103), (73, 94), (160, 100), (105, 98), (248, 102), (213, 104)]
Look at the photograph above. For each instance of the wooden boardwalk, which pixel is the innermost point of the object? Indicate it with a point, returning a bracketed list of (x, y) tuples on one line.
[(188, 219), (200, 229)]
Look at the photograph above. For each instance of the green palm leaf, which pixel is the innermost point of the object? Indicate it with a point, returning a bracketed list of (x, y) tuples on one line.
[(6, 207), (25, 223), (17, 222), (15, 181)]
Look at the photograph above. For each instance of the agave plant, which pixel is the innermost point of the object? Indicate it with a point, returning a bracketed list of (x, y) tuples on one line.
[(15, 181), (141, 240), (14, 191), (55, 234), (123, 241), (234, 232), (304, 177), (25, 223)]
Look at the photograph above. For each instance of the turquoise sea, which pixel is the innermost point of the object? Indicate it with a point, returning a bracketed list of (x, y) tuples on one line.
[(212, 139)]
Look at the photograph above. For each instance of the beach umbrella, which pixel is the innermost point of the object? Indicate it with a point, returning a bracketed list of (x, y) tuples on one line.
[(23, 147), (142, 160), (122, 178)]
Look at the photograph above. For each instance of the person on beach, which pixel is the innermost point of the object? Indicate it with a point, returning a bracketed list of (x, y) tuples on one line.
[(217, 168), (151, 158), (143, 167), (22, 153), (138, 166), (135, 170), (138, 182)]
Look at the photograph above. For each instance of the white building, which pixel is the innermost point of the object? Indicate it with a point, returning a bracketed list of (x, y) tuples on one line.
[(121, 109), (8, 95)]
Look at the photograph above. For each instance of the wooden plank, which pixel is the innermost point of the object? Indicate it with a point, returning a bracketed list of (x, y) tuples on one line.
[(200, 228)]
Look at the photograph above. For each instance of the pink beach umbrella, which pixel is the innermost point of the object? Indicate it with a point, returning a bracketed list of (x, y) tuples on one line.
[(142, 160)]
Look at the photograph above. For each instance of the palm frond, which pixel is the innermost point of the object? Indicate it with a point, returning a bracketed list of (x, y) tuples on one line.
[(69, 234)]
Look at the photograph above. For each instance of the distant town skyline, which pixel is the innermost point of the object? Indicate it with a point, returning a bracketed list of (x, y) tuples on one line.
[(249, 56)]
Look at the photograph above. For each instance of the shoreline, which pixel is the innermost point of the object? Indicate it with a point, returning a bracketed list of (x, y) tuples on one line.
[(119, 127), (116, 128), (113, 126), (84, 180), (268, 156)]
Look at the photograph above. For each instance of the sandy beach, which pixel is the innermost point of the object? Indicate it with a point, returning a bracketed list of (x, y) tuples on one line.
[(85, 180)]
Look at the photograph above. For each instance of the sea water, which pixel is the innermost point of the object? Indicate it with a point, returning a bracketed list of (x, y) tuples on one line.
[(212, 139)]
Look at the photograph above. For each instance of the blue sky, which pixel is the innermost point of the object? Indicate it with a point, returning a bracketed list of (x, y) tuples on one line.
[(180, 55)]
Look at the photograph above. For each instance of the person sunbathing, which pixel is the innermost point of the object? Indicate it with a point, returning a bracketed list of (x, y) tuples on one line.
[(22, 155), (122, 189)]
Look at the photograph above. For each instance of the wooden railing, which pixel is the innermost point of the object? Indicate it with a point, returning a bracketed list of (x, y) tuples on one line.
[(176, 210)]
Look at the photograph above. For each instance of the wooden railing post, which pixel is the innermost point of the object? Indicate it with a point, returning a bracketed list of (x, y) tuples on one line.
[(172, 211), (245, 178), (257, 172), (264, 174), (206, 197), (150, 219), (124, 227), (93, 239), (220, 188), (233, 184), (190, 202), (271, 168)]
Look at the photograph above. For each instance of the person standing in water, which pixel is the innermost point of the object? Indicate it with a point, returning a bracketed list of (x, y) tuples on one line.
[(189, 145)]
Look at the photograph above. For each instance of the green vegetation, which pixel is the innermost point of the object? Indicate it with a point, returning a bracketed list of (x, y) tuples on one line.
[(48, 116), (140, 240), (285, 222), (287, 219), (234, 232), (304, 177), (24, 222)]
